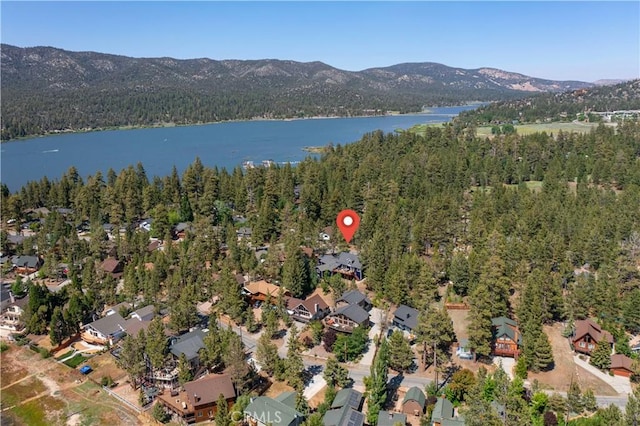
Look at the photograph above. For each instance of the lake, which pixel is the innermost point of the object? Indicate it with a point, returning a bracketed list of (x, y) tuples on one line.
[(222, 144)]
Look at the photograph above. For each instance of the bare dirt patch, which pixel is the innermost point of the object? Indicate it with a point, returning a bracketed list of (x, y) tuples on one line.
[(565, 370), (460, 322), (277, 388), (318, 398), (51, 393)]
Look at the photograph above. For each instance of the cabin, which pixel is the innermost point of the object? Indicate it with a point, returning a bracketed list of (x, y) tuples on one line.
[(278, 411), (621, 365), (347, 318), (348, 265), (113, 267), (587, 335), (354, 297), (26, 264), (263, 291), (443, 414), (198, 400), (405, 318), (312, 308), (507, 339), (414, 402), (244, 232), (345, 409)]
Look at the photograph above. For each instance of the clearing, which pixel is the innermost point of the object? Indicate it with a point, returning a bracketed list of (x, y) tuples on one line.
[(566, 370), (37, 391)]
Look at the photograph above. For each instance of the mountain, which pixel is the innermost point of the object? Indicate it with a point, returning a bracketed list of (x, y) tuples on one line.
[(45, 89), (563, 106)]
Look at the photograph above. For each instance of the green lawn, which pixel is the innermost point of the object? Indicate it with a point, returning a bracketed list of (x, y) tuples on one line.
[(75, 361)]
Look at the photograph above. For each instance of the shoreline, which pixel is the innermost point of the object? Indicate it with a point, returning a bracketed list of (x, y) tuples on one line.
[(427, 111)]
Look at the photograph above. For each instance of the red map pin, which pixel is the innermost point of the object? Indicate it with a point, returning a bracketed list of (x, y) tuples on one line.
[(348, 222)]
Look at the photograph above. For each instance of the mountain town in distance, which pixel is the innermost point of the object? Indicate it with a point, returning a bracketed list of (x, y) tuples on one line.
[(494, 278)]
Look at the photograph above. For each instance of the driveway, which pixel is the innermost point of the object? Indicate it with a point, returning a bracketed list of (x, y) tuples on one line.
[(507, 364), (315, 385), (620, 384), (376, 315)]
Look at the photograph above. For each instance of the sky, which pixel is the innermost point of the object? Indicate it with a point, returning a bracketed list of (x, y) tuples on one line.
[(572, 40)]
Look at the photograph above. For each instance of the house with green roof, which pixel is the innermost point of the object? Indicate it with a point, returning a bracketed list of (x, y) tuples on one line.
[(506, 339), (279, 411), (443, 414), (414, 402)]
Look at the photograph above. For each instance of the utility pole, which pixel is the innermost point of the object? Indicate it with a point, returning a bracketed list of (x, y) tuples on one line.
[(435, 365)]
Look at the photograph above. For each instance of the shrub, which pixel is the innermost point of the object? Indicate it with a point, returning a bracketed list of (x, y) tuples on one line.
[(3, 346), (106, 381)]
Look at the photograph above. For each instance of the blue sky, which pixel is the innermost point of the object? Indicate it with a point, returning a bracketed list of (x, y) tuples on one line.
[(556, 40)]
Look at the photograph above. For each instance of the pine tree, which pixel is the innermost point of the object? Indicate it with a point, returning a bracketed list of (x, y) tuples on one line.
[(294, 363), (543, 353), (335, 374), (222, 412), (267, 353), (574, 399), (376, 383), (601, 356), (156, 343), (184, 370), (632, 409), (400, 353)]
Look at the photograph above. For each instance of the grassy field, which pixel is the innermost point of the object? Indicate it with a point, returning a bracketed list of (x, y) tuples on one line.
[(521, 129), (527, 129)]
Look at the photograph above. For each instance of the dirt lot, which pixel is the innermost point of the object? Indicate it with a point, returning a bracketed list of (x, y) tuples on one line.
[(560, 377), (277, 388), (37, 391)]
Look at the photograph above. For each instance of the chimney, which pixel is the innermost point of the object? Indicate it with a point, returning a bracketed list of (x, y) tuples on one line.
[(317, 307), (12, 297), (390, 415)]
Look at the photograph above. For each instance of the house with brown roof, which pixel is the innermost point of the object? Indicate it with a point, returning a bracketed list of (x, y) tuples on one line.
[(263, 291), (621, 365), (197, 401), (113, 267), (587, 335), (312, 308)]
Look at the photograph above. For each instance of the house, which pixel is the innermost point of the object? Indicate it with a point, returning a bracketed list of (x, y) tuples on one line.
[(354, 297), (145, 224), (347, 318), (12, 316), (144, 314), (346, 264), (121, 308), (112, 267), (387, 418), (312, 308), (506, 338), (106, 330), (181, 229), (405, 318), (345, 409), (244, 232), (414, 402), (190, 345), (587, 335), (26, 264), (621, 365), (634, 344), (443, 414), (279, 411), (197, 402), (263, 291)]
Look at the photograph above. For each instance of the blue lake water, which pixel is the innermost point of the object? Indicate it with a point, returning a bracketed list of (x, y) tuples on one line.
[(223, 144)]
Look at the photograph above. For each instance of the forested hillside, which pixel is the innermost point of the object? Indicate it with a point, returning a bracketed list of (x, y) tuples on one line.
[(447, 206), (48, 90), (559, 106)]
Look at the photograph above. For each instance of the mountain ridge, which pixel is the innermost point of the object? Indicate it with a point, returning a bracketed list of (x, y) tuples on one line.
[(72, 90)]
